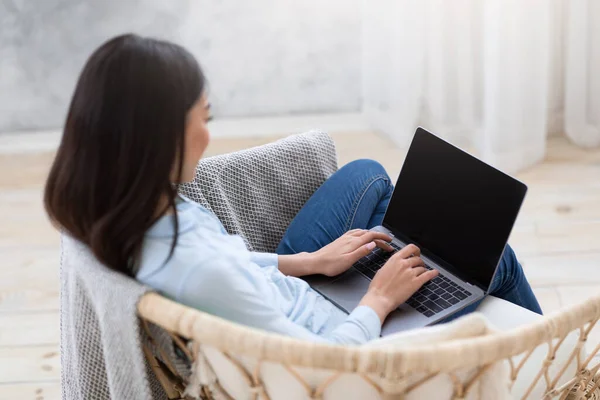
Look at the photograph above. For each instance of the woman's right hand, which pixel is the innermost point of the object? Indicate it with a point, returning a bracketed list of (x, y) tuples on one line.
[(401, 276)]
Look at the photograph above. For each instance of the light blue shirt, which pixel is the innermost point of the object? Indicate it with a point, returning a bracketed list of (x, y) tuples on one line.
[(214, 272)]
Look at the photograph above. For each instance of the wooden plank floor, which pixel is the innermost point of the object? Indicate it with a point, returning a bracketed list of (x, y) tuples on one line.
[(557, 237)]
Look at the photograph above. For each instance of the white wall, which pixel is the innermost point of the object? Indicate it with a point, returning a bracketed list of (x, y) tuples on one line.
[(262, 57)]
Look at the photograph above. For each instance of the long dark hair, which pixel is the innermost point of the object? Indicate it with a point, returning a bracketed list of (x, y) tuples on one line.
[(123, 136)]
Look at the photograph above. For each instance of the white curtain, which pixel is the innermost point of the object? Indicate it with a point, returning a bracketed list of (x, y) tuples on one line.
[(495, 76)]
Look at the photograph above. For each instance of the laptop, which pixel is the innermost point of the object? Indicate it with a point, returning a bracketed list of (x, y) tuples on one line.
[(459, 211)]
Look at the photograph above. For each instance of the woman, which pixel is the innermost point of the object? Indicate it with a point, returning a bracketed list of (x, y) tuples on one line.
[(137, 125)]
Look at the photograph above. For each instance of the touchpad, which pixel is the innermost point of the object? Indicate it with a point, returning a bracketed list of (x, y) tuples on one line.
[(347, 290)]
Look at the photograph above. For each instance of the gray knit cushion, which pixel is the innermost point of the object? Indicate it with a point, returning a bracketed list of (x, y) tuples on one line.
[(257, 192)]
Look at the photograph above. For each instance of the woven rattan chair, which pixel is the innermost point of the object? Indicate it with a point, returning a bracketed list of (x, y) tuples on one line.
[(249, 362), (540, 357)]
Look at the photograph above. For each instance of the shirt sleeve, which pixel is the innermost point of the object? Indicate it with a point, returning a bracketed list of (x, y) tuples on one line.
[(361, 326), (224, 291), (264, 259)]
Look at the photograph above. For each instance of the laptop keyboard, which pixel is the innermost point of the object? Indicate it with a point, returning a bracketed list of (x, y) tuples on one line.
[(433, 297)]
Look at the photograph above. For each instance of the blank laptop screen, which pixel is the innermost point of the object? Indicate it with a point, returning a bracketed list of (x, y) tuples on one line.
[(454, 207)]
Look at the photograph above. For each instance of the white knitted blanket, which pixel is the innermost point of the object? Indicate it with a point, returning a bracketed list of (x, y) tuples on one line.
[(255, 193)]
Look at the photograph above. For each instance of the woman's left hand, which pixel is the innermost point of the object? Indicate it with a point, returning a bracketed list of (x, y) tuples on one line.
[(341, 254)]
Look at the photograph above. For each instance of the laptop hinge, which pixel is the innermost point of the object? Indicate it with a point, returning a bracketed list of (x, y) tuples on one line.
[(448, 267)]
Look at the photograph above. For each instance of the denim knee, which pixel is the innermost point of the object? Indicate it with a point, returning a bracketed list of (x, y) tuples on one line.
[(370, 173), (366, 167)]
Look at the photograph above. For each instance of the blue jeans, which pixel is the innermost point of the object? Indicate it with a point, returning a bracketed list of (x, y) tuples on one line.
[(356, 196)]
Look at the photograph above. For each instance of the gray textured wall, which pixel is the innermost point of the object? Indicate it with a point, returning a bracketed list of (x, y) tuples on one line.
[(262, 57)]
